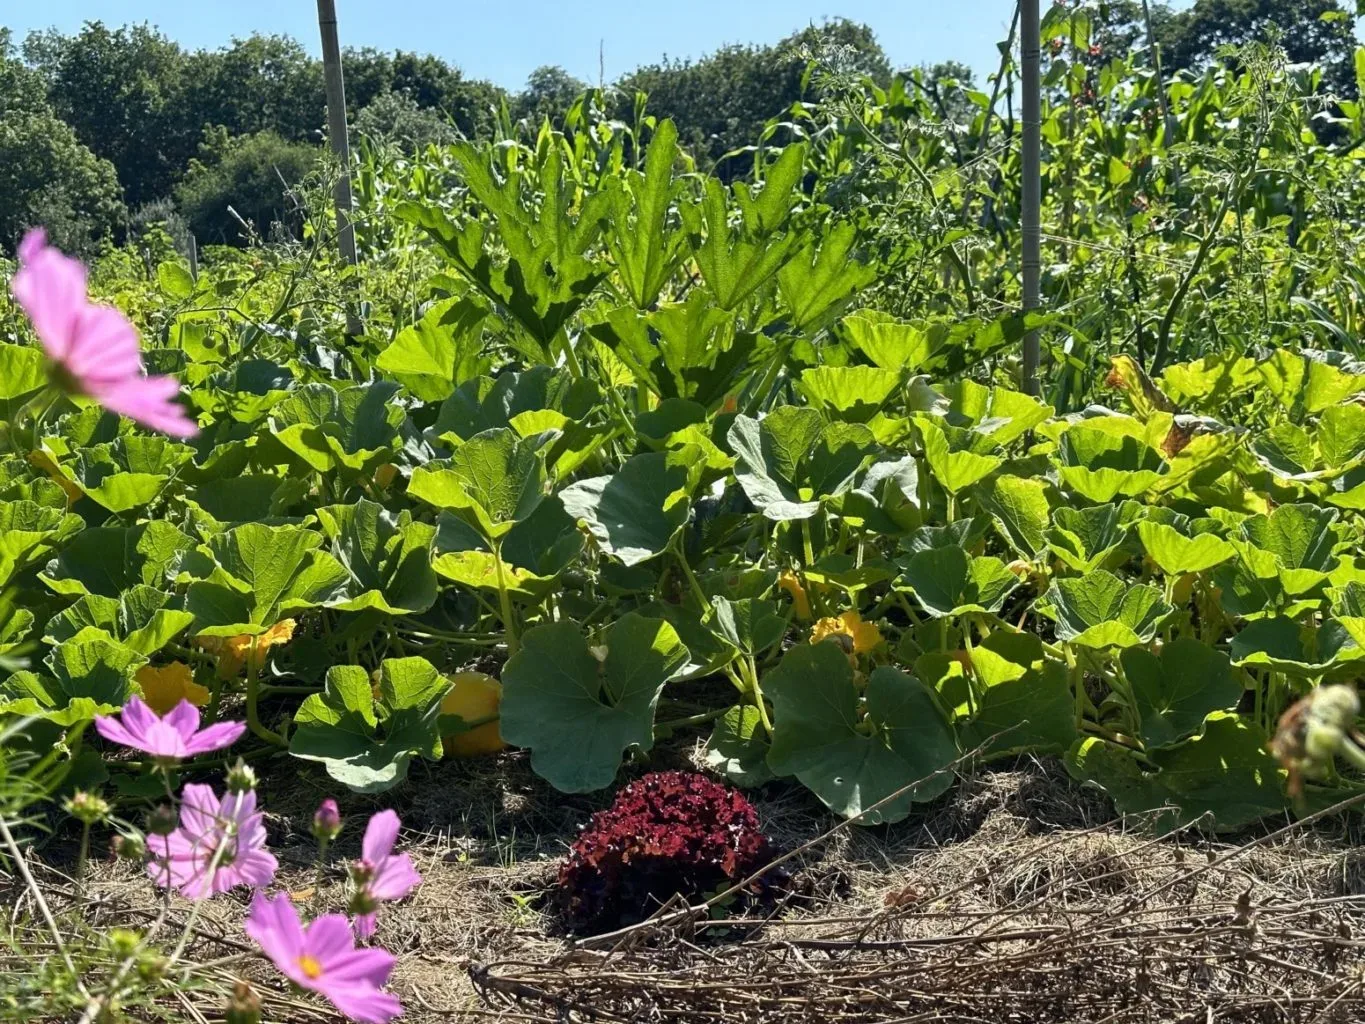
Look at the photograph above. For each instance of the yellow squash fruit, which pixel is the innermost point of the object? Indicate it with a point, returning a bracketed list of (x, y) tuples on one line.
[(474, 696)]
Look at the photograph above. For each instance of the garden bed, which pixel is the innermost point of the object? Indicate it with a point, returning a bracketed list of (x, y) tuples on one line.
[(1015, 898)]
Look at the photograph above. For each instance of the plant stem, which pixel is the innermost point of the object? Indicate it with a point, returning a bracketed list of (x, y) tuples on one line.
[(505, 599), (22, 866), (253, 720)]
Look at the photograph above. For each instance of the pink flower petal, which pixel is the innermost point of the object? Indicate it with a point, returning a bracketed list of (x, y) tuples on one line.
[(215, 737), (34, 242), (183, 718), (274, 926), (369, 965), (365, 925), (104, 349), (395, 879), (381, 832), (364, 1004), (113, 730), (148, 401), (51, 289), (137, 716), (330, 940)]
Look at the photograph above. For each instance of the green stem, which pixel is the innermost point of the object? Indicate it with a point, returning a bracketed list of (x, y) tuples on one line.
[(697, 592), (253, 720), (505, 600), (807, 548), (699, 719)]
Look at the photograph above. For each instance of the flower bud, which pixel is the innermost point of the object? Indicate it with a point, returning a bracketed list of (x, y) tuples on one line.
[(327, 821), (123, 942), (361, 902), (244, 1005), (87, 808), (129, 847), (162, 820), (241, 778)]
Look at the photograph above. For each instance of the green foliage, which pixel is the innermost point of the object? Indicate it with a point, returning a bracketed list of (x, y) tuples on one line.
[(252, 175)]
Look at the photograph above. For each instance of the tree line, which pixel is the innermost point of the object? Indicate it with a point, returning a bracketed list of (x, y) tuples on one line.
[(107, 128)]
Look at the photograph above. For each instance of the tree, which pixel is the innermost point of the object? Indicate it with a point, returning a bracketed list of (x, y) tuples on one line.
[(122, 91), (258, 84), (1310, 31), (47, 177), (395, 117), (549, 93), (251, 173), (722, 102)]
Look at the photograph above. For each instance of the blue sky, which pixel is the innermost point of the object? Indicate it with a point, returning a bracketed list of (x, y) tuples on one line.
[(506, 41)]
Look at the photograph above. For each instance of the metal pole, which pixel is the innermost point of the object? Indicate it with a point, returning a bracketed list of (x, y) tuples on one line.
[(1031, 192), (336, 132)]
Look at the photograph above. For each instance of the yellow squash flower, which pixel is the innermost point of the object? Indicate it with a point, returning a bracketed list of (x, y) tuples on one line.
[(861, 636), (791, 583), (165, 686), (246, 651)]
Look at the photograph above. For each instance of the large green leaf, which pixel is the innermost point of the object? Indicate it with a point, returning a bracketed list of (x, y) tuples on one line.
[(578, 712), (141, 618), (492, 481), (1176, 554), (262, 574), (851, 393), (387, 555), (1102, 610), (355, 428), (1020, 509), (738, 258), (958, 458), (1175, 691), (366, 741), (738, 748), (534, 551), (547, 231), (792, 459), (1224, 778), (128, 473), (853, 757), (440, 351), (1023, 701), (23, 373), (1084, 538), (949, 582), (645, 250), (29, 532), (635, 513), (108, 560), (817, 282), (87, 675)]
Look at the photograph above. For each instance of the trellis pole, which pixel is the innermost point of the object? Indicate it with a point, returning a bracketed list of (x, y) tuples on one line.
[(336, 132), (1031, 192)]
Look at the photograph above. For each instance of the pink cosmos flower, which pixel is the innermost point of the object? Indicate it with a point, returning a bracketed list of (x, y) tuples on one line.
[(220, 844), (323, 958), (93, 349), (379, 875), (170, 738)]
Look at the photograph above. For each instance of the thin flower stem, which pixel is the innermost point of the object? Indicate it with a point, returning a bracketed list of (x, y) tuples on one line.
[(22, 866)]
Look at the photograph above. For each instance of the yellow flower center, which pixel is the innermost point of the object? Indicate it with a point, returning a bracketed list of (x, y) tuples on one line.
[(309, 965)]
